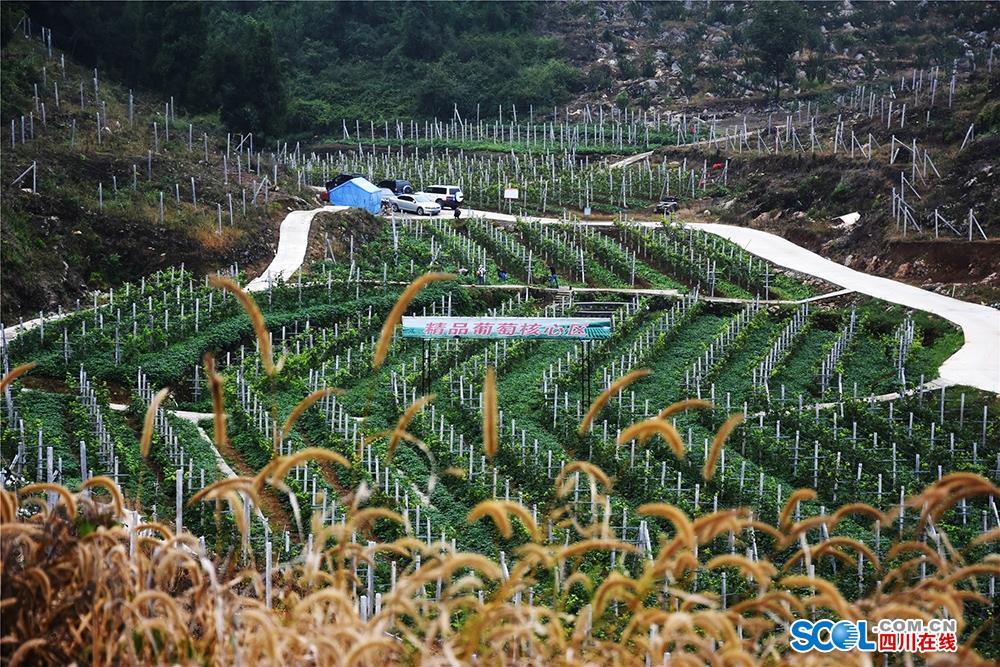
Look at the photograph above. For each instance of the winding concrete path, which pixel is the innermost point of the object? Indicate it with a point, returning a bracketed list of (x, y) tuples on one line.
[(631, 159), (194, 418), (976, 364), (293, 241)]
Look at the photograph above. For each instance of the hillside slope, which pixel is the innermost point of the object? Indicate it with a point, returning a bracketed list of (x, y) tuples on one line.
[(703, 55), (800, 192), (383, 61), (90, 217)]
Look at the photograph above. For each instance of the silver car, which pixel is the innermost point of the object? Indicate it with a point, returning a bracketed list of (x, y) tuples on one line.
[(420, 203)]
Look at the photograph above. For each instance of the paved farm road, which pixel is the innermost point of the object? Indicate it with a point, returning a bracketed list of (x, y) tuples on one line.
[(976, 364), (293, 240)]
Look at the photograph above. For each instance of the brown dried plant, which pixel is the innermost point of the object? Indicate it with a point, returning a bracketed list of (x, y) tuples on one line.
[(491, 438), (74, 589), (256, 319), (82, 581), (396, 314), (400, 433), (606, 395), (14, 374)]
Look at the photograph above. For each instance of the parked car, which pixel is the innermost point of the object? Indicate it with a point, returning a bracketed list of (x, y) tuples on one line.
[(398, 186), (667, 205), (448, 196), (420, 203)]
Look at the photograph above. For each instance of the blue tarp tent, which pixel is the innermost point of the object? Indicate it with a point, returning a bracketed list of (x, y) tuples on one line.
[(358, 193)]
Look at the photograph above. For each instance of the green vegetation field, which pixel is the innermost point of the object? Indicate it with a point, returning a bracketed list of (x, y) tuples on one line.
[(324, 325)]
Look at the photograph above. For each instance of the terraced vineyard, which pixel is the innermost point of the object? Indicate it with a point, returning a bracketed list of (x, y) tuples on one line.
[(707, 319), (550, 182), (242, 469)]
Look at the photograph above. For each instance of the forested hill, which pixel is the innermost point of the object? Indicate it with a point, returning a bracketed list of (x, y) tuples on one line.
[(298, 69)]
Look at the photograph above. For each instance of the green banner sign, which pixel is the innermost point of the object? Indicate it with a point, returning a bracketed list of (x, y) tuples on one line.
[(548, 328)]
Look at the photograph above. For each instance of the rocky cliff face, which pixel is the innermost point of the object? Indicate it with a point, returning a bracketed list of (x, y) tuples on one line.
[(665, 55)]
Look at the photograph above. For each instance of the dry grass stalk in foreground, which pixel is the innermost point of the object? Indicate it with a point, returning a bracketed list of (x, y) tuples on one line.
[(396, 314), (77, 584), (72, 591), (256, 319), (606, 395), (491, 439)]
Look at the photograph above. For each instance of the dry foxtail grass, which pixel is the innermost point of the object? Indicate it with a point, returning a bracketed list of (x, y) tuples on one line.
[(83, 581), (256, 319), (126, 594), (606, 395), (396, 314)]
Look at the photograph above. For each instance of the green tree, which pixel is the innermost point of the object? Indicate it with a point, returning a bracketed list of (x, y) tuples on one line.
[(622, 100), (776, 31), (171, 45), (648, 66), (544, 84), (436, 92), (247, 76), (420, 31), (600, 78), (628, 68), (10, 15)]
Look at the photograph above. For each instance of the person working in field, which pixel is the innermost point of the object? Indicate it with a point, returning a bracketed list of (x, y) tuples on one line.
[(481, 275), (458, 212), (553, 278), (501, 274)]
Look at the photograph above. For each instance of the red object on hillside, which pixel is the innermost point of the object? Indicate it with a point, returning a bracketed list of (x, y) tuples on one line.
[(324, 196), (717, 166)]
